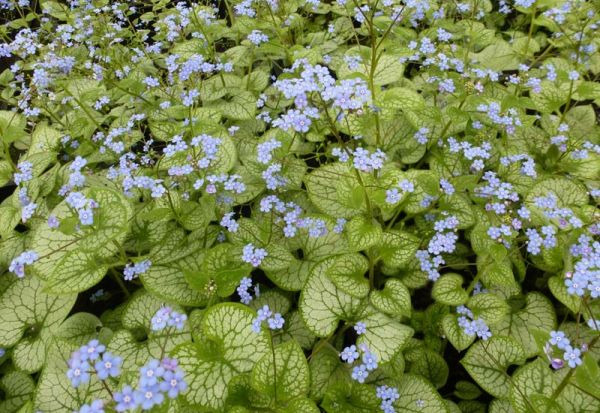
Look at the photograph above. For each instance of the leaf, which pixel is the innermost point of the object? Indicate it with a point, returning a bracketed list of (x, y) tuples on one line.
[(241, 106), (278, 258), (17, 388), (76, 272), (347, 272), (9, 219), (137, 343), (282, 375), (79, 328), (384, 337), (559, 290), (327, 187), (430, 365), (350, 397), (402, 98), (448, 290), (587, 376), (489, 307), (222, 266), (362, 233), (322, 305), (168, 282), (536, 380), (326, 370), (397, 248), (538, 312), (54, 392), (569, 192), (498, 56), (550, 98), (44, 139), (388, 70), (6, 172), (466, 390), (231, 348), (55, 248), (301, 406), (496, 272), (487, 361), (394, 299), (24, 306), (294, 329), (195, 215), (418, 395), (314, 250)]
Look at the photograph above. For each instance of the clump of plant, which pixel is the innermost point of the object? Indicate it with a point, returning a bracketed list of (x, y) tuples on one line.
[(300, 206)]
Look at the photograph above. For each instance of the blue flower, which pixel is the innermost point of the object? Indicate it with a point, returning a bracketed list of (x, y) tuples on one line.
[(572, 356), (86, 216), (160, 318), (257, 37), (253, 255), (109, 366), (177, 320), (173, 383), (360, 328), (148, 396), (17, 265), (79, 370), (360, 373), (150, 373), (125, 399), (349, 354), (370, 360), (276, 322), (558, 339), (92, 350)]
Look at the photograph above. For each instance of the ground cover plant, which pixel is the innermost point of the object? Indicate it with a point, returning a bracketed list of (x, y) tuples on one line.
[(300, 206)]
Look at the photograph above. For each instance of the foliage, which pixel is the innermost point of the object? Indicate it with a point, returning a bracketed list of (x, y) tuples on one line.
[(300, 206)]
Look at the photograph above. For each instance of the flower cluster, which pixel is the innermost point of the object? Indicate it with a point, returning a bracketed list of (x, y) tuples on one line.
[(345, 95), (167, 317), (472, 325), (508, 121), (25, 173), (157, 379), (393, 195), (257, 37), (571, 355), (368, 361), (501, 194), (274, 320), (242, 290), (253, 255), (562, 216), (83, 206), (265, 150), (362, 159), (291, 214), (28, 206), (535, 241), (585, 277), (17, 265), (443, 241), (527, 166), (132, 271), (387, 395), (92, 358), (477, 154)]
